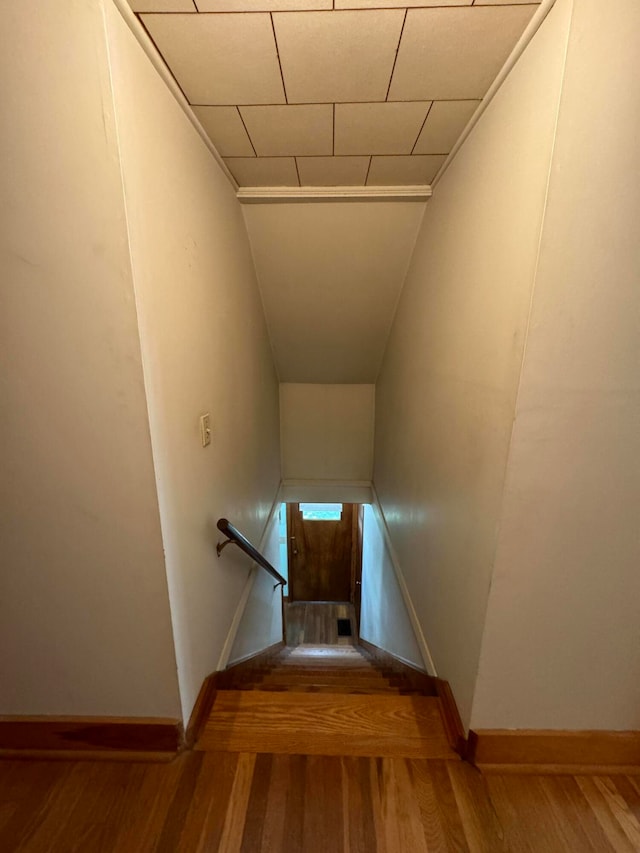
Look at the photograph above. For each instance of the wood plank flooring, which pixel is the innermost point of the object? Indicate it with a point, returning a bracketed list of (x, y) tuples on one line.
[(326, 724), (316, 623), (308, 804), (265, 778)]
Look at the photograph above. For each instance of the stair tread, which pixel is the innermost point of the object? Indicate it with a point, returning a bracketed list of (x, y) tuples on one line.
[(326, 724), (332, 688), (330, 675)]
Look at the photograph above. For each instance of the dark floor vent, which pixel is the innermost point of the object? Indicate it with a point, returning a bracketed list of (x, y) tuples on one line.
[(344, 627)]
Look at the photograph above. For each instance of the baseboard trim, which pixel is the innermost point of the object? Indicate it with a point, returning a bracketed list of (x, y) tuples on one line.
[(413, 667), (254, 657), (112, 738), (451, 718), (217, 681), (381, 654), (202, 709), (549, 751), (422, 680)]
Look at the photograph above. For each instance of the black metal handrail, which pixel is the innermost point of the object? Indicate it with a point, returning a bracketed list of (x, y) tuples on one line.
[(236, 538)]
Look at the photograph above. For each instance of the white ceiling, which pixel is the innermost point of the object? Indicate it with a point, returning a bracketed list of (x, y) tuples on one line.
[(330, 275), (334, 92)]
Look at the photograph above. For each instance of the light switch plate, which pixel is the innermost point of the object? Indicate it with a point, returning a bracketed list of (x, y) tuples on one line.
[(205, 429)]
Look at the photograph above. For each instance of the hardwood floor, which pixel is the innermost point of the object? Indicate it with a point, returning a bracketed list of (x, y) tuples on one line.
[(303, 804), (326, 724), (317, 623), (295, 759)]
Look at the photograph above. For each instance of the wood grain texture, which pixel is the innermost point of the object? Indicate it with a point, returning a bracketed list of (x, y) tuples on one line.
[(313, 804), (417, 678), (259, 661), (320, 556), (72, 737), (218, 680), (451, 717), (201, 709), (326, 724), (313, 622), (535, 751), (277, 770)]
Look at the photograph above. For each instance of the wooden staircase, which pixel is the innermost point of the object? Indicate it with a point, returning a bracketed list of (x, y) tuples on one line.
[(327, 700)]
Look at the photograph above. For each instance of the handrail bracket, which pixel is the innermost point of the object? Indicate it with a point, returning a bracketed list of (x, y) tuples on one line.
[(222, 545)]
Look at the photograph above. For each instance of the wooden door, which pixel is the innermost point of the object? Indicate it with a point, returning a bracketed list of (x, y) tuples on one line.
[(321, 556)]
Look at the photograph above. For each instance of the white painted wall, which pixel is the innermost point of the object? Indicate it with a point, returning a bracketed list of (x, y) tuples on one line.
[(447, 389), (330, 491), (84, 611), (327, 431), (205, 349), (384, 620), (261, 622), (330, 274), (562, 642)]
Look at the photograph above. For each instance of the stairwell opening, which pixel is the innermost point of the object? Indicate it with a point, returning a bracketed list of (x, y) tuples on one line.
[(322, 543)]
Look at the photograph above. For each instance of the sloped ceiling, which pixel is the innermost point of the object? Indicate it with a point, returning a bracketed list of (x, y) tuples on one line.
[(334, 92), (330, 275)]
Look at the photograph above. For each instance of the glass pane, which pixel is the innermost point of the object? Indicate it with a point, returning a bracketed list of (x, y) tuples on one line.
[(321, 512)]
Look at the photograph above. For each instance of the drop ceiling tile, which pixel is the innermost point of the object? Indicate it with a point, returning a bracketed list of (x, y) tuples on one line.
[(263, 171), (225, 129), (290, 130), (378, 128), (444, 124), (337, 56), (455, 53), (400, 4), (507, 2), (404, 171), (220, 59), (262, 5), (332, 171), (162, 5)]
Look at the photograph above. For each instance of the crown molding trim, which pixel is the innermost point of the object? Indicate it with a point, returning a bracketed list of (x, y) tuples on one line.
[(269, 195)]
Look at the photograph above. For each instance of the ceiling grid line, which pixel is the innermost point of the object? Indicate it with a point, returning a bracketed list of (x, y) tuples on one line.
[(246, 129), (333, 148), (366, 178), (422, 127), (468, 5), (321, 156), (402, 81), (395, 59), (338, 103), (263, 11), (275, 40)]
